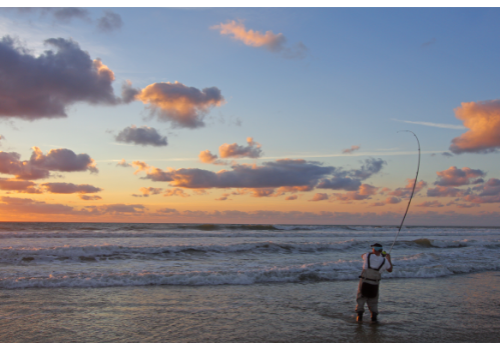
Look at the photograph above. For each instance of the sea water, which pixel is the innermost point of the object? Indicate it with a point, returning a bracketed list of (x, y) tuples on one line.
[(301, 279)]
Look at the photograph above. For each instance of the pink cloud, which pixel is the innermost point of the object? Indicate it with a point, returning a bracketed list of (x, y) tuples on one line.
[(291, 198), (483, 121), (364, 192), (457, 177), (350, 150), (89, 198)]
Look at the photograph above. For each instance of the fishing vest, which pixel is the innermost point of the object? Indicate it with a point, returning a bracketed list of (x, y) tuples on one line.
[(372, 275)]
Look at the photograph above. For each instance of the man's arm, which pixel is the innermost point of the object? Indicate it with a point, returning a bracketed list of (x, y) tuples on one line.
[(388, 257)]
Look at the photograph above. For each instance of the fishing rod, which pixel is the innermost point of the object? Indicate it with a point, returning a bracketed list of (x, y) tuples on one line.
[(412, 191)]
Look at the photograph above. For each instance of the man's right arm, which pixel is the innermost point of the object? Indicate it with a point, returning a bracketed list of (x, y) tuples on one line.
[(388, 257)]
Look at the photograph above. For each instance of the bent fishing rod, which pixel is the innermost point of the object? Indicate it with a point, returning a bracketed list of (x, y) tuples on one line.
[(412, 191)]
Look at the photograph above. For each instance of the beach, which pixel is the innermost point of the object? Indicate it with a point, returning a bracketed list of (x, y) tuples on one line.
[(243, 284)]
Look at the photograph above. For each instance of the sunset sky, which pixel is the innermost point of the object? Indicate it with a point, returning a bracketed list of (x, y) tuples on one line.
[(250, 115)]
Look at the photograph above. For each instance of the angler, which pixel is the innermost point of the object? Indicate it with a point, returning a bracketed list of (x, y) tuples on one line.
[(374, 264)]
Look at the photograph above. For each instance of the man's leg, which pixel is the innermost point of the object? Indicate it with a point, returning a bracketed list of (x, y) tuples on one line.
[(360, 303), (373, 307)]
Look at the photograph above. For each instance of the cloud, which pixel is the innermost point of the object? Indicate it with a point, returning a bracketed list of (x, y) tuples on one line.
[(392, 200), (29, 206), (209, 158), (224, 197), (405, 192), (270, 41), (319, 197), (19, 186), (109, 22), (67, 188), (364, 192), (442, 191), (40, 165), (351, 180), (183, 106), (60, 14), (116, 209), (175, 192), (430, 204), (291, 198), (435, 125), (283, 172), (377, 204), (487, 193), (147, 191), (288, 175), (350, 150), (447, 154), (143, 136), (235, 151), (370, 167), (89, 198), (457, 177), (43, 87), (1, 138), (123, 163), (483, 121)]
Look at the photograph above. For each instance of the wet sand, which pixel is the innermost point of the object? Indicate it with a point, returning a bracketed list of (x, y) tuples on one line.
[(460, 308)]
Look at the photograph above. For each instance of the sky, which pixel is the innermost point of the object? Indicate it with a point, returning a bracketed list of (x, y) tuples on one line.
[(250, 115)]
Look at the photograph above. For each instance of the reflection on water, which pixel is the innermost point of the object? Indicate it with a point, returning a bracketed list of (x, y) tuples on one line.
[(460, 308)]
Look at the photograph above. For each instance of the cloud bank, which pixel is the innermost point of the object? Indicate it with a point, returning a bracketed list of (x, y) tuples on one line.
[(40, 165)]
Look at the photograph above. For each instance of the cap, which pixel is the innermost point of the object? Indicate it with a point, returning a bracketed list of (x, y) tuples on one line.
[(376, 245)]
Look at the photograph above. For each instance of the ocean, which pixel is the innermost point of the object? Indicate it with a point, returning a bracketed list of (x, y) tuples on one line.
[(111, 282)]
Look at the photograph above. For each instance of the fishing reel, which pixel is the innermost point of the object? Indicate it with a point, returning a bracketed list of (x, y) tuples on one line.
[(384, 253)]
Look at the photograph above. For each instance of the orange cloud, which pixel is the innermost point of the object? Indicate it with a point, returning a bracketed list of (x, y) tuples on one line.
[(175, 192), (235, 151), (209, 158), (291, 198), (483, 121), (319, 197), (89, 198), (271, 41), (430, 204), (183, 106), (392, 200)]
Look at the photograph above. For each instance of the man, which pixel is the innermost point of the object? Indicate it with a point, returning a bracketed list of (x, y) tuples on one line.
[(373, 265)]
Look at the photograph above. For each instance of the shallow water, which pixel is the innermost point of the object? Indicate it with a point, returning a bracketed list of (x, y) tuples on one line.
[(461, 308)]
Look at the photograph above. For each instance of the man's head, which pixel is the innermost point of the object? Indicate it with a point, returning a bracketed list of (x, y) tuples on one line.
[(377, 248)]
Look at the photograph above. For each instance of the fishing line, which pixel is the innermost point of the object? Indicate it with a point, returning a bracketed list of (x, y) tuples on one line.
[(412, 191)]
